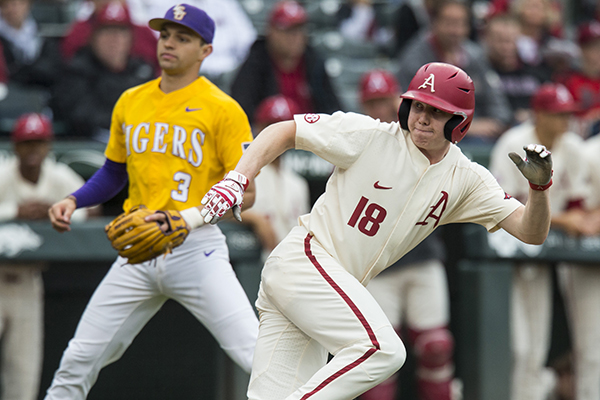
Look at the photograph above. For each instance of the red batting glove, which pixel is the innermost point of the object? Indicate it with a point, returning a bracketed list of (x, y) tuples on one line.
[(228, 193)]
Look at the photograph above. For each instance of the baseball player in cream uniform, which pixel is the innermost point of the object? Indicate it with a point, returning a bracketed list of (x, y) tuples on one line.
[(393, 184), (531, 297), (413, 292), (171, 139), (29, 183)]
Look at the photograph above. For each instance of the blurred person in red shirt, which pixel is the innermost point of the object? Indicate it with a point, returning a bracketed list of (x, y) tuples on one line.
[(98, 74), (584, 82), (283, 62), (144, 41)]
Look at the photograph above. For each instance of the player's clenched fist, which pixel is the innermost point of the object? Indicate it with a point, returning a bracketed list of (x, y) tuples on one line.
[(536, 167), (225, 195)]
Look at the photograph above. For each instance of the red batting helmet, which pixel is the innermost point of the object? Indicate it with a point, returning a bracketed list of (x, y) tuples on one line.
[(32, 126), (445, 87)]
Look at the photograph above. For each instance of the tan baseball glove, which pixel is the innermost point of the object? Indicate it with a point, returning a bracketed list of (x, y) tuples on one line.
[(139, 240)]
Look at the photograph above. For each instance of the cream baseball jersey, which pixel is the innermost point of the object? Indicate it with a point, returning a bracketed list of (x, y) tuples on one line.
[(176, 145), (569, 167), (592, 150), (389, 207)]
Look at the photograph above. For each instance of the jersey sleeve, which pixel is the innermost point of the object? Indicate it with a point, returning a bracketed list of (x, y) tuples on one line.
[(484, 202), (339, 138), (235, 135), (116, 149)]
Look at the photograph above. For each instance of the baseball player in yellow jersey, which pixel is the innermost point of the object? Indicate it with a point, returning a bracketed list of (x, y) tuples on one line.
[(173, 138), (393, 184)]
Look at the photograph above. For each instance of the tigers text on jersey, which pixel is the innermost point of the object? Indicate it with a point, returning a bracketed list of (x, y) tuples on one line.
[(176, 145), (392, 197)]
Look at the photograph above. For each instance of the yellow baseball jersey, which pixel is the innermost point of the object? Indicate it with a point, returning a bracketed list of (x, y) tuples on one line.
[(176, 145)]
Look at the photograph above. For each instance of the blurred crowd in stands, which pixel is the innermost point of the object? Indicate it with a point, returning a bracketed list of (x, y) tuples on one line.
[(69, 61)]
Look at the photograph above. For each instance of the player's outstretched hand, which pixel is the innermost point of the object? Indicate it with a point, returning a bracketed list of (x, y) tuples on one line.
[(60, 214), (537, 166), (224, 195)]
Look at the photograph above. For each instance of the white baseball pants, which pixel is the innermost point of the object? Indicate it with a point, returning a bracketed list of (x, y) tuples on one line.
[(580, 286), (531, 317), (21, 328), (197, 274), (309, 306)]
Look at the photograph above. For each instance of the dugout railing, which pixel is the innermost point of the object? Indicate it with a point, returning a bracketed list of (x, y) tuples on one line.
[(174, 357)]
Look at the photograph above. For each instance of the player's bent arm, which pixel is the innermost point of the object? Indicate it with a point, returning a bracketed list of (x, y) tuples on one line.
[(530, 223), (272, 142), (228, 194)]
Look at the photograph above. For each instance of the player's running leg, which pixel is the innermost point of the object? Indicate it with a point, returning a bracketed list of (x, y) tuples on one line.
[(323, 304)]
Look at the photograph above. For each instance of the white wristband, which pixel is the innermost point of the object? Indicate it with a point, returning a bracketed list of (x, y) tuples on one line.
[(192, 217), (239, 178)]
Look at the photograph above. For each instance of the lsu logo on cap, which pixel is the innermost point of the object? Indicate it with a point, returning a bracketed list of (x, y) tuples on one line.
[(430, 81), (179, 12)]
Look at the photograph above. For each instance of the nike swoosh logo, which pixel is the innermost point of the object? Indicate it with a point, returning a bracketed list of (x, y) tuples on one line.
[(378, 186), (192, 109), (208, 253)]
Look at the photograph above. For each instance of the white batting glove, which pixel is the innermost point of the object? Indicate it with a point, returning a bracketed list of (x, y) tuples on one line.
[(228, 193), (537, 166)]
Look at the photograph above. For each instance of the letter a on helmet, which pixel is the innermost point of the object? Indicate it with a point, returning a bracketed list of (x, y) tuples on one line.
[(445, 87)]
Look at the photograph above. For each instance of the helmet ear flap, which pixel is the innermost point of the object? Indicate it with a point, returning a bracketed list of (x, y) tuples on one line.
[(403, 111), (452, 123)]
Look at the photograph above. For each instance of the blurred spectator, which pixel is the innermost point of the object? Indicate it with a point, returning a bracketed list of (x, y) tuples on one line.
[(531, 299), (29, 184), (413, 291), (143, 39), (234, 32), (98, 74), (544, 13), (541, 40), (361, 20), (584, 82), (518, 81), (284, 63), (30, 58), (411, 17), (380, 95), (281, 194), (447, 41)]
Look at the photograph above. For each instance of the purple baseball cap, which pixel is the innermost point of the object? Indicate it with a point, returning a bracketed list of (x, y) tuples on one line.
[(190, 17)]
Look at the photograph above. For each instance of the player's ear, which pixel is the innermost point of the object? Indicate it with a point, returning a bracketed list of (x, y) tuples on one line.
[(205, 51)]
